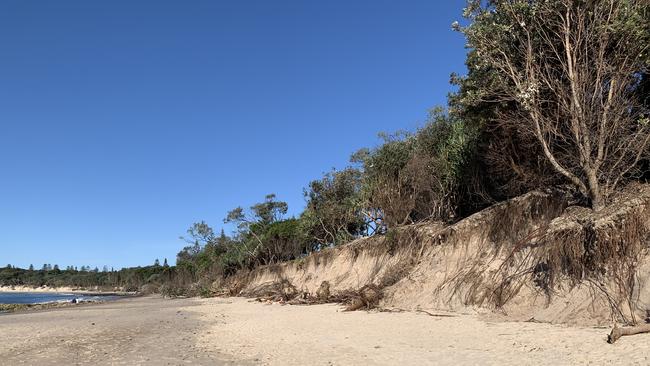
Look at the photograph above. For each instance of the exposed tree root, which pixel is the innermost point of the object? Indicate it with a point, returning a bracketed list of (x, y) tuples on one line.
[(620, 332)]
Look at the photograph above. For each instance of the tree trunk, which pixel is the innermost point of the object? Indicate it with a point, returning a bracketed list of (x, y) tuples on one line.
[(597, 199), (597, 202)]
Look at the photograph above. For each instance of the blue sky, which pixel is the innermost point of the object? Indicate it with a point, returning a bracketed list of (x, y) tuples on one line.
[(122, 122)]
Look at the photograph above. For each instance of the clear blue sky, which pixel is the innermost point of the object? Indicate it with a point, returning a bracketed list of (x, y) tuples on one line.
[(122, 122)]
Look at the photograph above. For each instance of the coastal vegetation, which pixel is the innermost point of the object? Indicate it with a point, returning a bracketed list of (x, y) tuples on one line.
[(127, 279), (557, 94)]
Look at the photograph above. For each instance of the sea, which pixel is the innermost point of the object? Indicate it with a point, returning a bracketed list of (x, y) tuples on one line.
[(48, 297)]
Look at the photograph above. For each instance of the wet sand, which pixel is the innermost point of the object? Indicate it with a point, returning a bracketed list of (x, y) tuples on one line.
[(137, 331), (154, 331)]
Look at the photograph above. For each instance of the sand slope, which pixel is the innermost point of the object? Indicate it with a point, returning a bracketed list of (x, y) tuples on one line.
[(513, 257)]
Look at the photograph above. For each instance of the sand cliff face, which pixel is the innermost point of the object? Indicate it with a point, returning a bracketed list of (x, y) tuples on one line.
[(532, 257)]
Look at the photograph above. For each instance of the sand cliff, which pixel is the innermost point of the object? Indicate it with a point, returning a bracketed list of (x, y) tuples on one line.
[(533, 257)]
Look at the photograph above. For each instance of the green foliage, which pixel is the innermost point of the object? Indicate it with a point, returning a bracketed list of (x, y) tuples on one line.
[(417, 176), (333, 212), (262, 236), (127, 278)]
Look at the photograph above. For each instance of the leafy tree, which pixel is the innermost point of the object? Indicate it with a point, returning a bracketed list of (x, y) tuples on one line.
[(200, 234), (565, 74), (283, 240), (419, 176), (386, 193), (253, 224), (333, 213)]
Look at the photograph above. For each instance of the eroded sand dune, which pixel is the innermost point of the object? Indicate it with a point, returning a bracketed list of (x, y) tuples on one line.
[(523, 258)]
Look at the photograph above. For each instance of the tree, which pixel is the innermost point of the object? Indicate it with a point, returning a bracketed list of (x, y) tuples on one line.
[(200, 234), (419, 176), (263, 236), (252, 224), (283, 240), (569, 71), (333, 213), (386, 192)]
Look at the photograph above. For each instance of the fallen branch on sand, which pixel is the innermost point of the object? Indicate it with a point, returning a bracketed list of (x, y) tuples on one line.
[(620, 332), (399, 310)]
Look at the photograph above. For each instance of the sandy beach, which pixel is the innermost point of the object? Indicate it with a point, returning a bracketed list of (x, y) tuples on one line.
[(155, 331)]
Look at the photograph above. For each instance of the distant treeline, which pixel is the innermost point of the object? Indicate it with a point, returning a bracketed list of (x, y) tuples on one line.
[(127, 279)]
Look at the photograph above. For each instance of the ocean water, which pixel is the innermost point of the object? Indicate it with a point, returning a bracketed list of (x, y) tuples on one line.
[(45, 297)]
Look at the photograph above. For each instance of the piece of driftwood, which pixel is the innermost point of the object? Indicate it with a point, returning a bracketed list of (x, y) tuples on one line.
[(367, 297), (617, 332), (323, 292)]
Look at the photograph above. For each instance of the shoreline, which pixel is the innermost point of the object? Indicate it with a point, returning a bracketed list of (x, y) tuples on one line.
[(134, 331), (71, 290), (18, 308)]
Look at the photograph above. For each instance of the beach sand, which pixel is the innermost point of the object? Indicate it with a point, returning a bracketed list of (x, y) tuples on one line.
[(136, 331), (154, 331)]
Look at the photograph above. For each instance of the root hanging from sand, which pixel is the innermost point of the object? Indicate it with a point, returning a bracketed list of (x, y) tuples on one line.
[(576, 246)]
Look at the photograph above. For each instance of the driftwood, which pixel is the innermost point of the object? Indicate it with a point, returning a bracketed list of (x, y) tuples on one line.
[(620, 332), (283, 292), (368, 296), (323, 292)]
